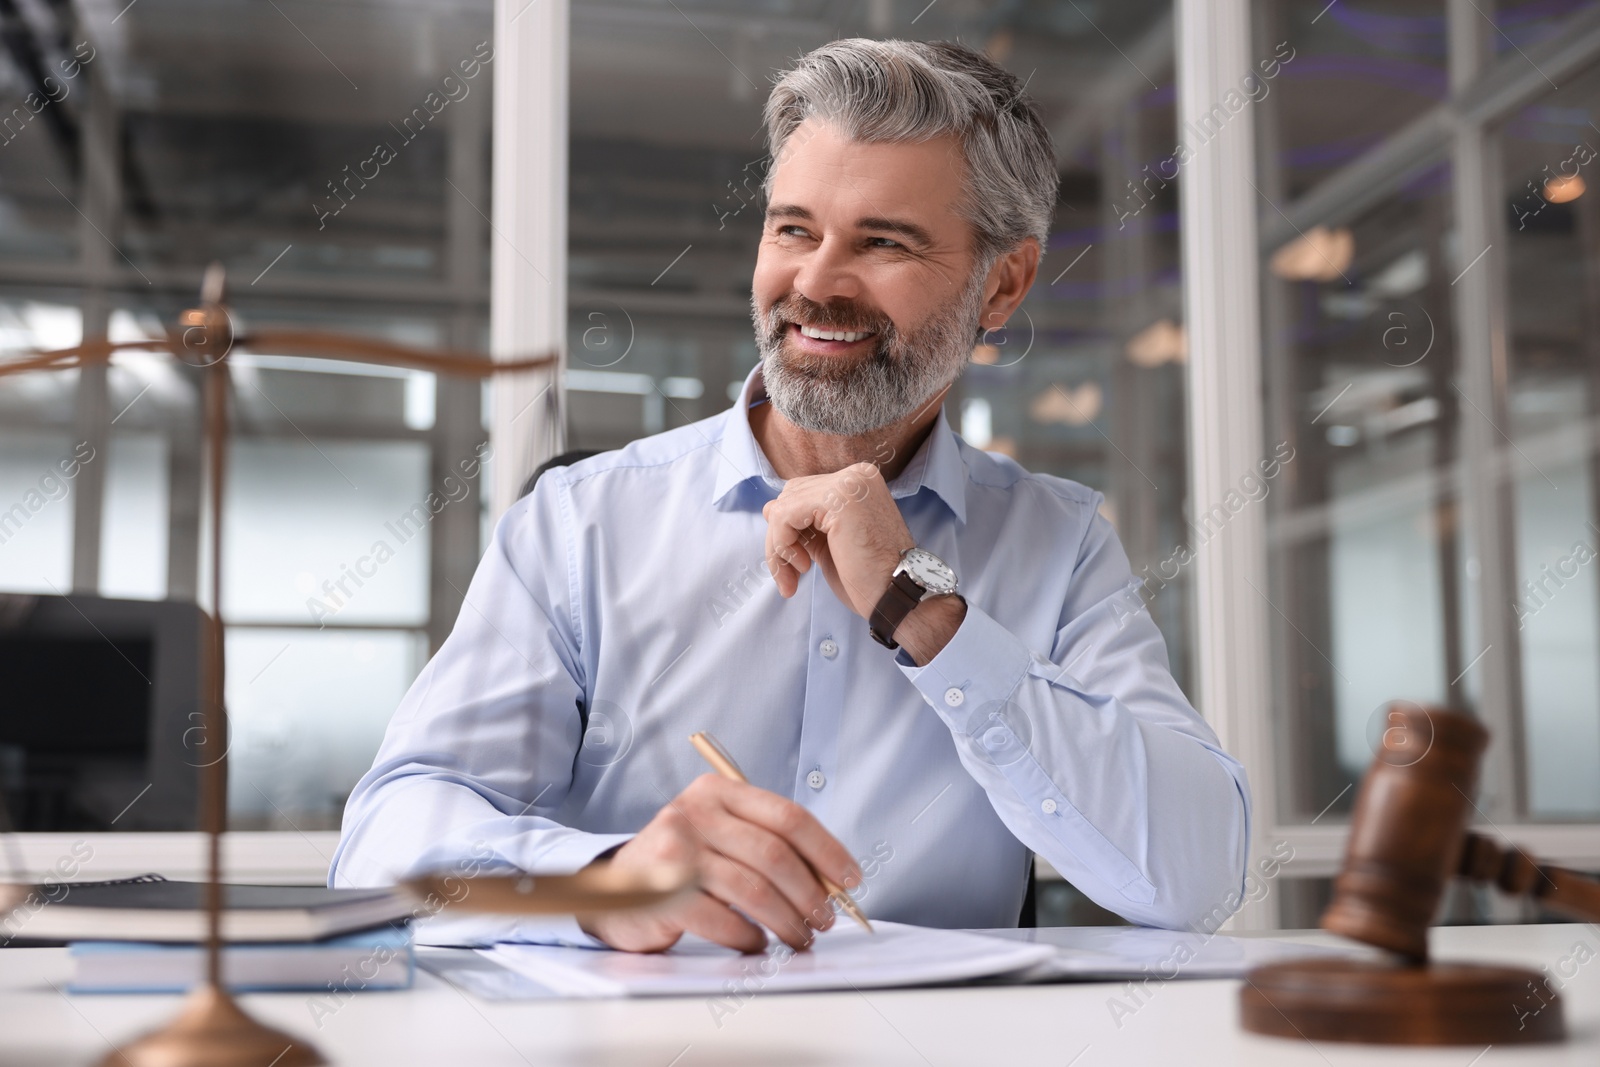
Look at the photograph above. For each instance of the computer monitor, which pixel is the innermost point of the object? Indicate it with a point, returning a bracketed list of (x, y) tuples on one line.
[(99, 713)]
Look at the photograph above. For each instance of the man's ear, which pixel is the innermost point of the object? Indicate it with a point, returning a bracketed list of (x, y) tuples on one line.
[(1009, 280)]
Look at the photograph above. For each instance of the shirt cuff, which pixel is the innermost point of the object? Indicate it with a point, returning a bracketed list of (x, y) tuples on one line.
[(976, 671), (570, 854)]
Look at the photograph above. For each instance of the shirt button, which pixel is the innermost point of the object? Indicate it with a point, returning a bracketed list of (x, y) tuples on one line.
[(816, 780), (954, 697), (1048, 807), (828, 649)]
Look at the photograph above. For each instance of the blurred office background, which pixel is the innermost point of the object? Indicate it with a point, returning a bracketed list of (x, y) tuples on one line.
[(1427, 271)]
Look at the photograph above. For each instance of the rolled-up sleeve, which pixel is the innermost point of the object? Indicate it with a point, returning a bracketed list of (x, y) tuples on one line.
[(481, 750), (1090, 753)]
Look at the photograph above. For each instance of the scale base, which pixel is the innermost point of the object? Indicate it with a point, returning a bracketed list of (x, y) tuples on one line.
[(213, 1031)]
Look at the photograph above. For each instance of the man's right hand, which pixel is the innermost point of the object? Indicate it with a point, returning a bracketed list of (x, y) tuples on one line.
[(752, 848)]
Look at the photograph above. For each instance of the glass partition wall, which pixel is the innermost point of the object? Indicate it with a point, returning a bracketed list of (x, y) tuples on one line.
[(1548, 181), (335, 159), (1429, 308)]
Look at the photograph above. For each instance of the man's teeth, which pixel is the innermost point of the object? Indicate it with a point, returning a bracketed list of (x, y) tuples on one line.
[(835, 335)]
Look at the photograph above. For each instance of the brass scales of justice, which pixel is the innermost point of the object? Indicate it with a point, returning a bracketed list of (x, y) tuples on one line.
[(212, 1030)]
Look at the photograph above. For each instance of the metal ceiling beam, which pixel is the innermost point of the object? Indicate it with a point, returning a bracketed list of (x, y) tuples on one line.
[(429, 294)]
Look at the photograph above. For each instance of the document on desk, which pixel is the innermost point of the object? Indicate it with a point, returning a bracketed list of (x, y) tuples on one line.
[(844, 957), (1108, 953)]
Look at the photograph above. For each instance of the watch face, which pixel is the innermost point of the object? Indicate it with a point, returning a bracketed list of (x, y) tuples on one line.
[(931, 572)]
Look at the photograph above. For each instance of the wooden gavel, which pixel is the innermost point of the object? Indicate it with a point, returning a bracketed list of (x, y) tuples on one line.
[(1408, 838)]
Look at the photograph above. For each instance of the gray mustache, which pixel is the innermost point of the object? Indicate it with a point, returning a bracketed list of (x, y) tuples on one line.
[(784, 315)]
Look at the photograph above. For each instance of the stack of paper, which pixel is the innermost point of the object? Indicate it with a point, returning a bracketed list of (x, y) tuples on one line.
[(844, 957)]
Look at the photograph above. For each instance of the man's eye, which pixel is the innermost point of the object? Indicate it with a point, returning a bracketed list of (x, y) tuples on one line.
[(883, 242), (791, 231)]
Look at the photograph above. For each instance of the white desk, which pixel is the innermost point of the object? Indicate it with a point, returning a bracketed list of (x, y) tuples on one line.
[(1184, 1023)]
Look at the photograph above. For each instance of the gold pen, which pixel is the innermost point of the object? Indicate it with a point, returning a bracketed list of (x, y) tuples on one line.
[(720, 761)]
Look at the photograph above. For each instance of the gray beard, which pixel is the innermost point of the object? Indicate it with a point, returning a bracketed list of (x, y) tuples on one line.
[(902, 373)]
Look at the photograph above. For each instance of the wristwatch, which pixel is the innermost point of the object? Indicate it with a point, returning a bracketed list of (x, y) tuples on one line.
[(919, 576)]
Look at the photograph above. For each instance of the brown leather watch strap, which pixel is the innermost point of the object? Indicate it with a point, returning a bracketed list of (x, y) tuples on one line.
[(896, 603)]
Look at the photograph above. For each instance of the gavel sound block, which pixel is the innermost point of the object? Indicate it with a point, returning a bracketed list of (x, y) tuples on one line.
[(1408, 837)]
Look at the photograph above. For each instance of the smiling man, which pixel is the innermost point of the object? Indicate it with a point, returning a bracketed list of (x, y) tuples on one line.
[(919, 652)]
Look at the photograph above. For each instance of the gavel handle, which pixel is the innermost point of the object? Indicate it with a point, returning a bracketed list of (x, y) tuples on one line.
[(1518, 873)]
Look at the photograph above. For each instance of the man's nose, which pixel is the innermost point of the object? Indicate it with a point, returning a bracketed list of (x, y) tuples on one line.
[(828, 273)]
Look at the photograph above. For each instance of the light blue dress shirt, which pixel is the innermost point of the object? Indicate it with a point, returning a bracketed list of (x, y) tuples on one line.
[(625, 603)]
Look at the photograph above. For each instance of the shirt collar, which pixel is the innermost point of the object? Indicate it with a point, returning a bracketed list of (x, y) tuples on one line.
[(742, 465)]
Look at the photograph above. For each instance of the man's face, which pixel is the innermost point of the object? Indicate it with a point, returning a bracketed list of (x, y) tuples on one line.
[(863, 243)]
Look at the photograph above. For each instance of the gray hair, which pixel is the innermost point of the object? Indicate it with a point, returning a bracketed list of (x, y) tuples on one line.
[(908, 91)]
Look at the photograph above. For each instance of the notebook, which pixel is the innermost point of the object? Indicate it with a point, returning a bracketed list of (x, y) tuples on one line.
[(150, 908), (844, 957), (373, 959)]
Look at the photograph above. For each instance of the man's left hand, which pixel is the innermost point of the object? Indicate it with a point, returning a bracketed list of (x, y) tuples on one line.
[(847, 524)]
